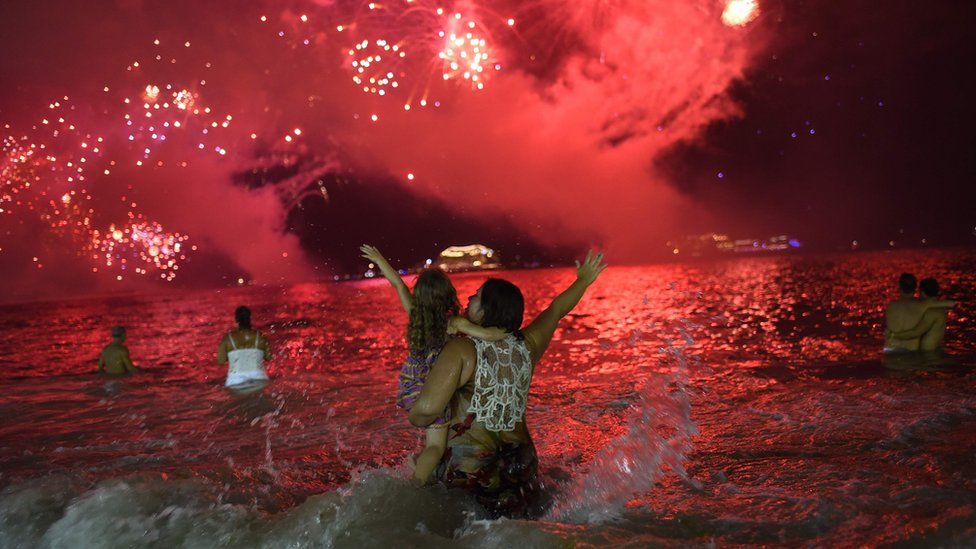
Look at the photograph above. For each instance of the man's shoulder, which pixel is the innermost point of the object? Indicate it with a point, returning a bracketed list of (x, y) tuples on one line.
[(906, 307), (900, 304)]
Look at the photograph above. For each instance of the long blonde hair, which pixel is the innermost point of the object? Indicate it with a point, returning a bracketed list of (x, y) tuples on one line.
[(434, 301)]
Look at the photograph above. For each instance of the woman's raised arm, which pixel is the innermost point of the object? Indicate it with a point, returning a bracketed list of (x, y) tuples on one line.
[(539, 332), (374, 255)]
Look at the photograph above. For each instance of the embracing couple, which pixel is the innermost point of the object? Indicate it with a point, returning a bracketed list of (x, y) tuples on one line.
[(916, 323), (470, 392)]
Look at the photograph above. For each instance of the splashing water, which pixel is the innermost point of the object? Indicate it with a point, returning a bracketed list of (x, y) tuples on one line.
[(802, 434), (658, 438)]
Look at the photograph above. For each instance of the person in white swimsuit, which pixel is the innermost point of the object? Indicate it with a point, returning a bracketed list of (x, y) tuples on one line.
[(245, 351)]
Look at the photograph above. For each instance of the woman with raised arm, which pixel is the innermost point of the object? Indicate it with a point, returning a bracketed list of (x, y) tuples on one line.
[(486, 383)]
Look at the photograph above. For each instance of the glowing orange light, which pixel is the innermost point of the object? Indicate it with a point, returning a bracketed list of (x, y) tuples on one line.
[(738, 13)]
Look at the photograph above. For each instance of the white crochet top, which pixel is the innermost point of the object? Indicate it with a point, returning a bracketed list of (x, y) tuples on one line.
[(501, 383)]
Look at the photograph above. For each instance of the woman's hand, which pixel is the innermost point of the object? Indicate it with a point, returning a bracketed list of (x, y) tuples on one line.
[(590, 268), (372, 254)]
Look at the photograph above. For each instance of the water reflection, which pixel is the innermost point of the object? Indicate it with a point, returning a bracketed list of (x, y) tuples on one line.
[(806, 434)]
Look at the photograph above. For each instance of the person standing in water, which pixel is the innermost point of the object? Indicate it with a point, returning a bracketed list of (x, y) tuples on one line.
[(486, 384), (245, 351), (929, 332), (115, 359), (432, 311), (905, 313)]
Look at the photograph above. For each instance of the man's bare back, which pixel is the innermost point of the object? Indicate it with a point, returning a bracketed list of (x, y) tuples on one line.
[(930, 330), (903, 314), (917, 324), (115, 359)]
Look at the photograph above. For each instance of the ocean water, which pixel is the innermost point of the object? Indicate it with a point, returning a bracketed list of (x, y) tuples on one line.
[(741, 401)]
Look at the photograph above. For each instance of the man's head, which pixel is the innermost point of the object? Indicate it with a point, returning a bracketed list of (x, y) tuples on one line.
[(243, 317), (118, 333), (929, 287), (907, 283), (497, 304)]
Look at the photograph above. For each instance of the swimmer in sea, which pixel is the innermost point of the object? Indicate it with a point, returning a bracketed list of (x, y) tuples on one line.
[(244, 351), (115, 358), (905, 313), (929, 331)]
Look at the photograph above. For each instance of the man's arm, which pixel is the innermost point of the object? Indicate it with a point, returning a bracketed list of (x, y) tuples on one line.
[(101, 362), (374, 255), (539, 332), (924, 325), (222, 351), (940, 304), (443, 380), (127, 362), (266, 347)]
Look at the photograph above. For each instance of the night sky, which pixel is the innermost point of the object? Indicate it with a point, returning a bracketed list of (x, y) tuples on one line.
[(613, 123)]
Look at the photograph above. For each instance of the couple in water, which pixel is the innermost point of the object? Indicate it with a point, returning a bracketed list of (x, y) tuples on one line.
[(916, 323), (470, 393)]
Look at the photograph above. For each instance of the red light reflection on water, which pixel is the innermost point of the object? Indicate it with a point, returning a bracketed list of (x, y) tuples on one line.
[(803, 433)]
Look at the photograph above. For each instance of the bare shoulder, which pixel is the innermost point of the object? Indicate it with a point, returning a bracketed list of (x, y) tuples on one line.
[(936, 314), (461, 347), (900, 307)]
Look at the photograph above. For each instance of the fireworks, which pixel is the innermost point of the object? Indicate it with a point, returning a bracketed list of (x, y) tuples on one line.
[(465, 54), (52, 172), (183, 100), (375, 65), (159, 114), (408, 47), (151, 94), (17, 173), (138, 245), (738, 13), (150, 124)]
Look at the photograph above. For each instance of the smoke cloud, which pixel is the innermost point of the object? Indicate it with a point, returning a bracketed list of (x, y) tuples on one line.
[(561, 142)]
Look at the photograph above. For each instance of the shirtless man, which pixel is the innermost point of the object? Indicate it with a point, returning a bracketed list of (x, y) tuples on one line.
[(906, 312), (930, 329), (115, 356)]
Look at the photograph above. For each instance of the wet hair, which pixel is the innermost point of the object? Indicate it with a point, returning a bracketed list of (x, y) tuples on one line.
[(929, 287), (118, 332), (503, 305), (243, 317), (434, 301), (907, 283)]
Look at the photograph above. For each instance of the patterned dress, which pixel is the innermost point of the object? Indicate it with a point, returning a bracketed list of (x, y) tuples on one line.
[(413, 375), (489, 451)]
